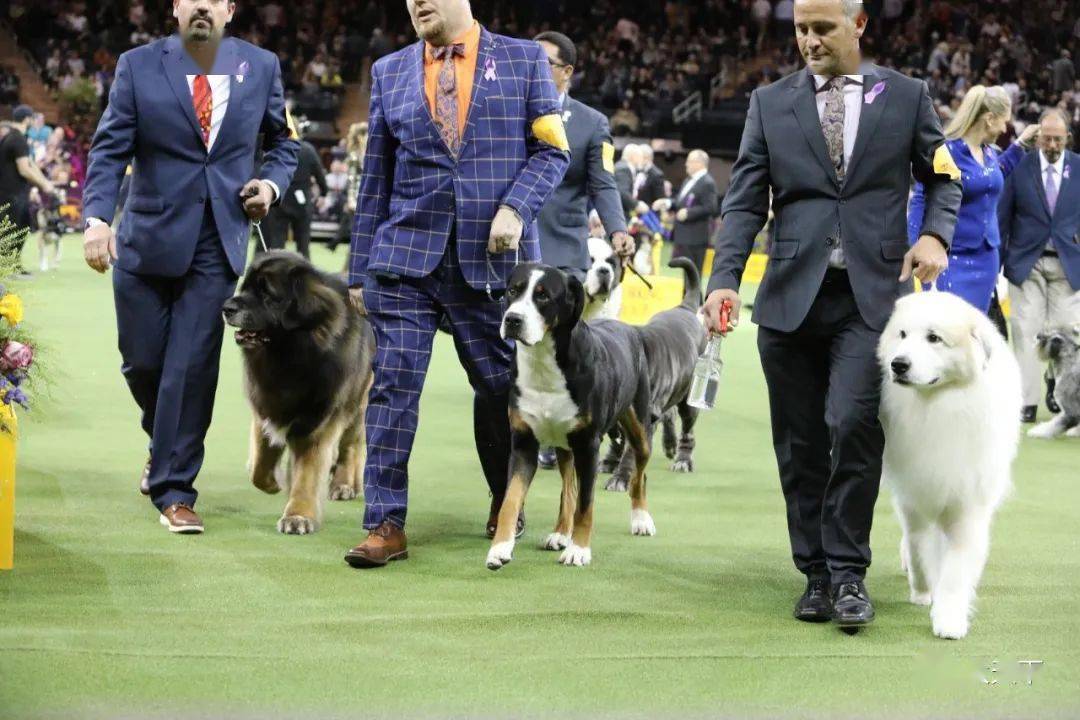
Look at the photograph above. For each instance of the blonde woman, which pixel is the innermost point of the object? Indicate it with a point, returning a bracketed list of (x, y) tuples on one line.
[(974, 257), (355, 146)]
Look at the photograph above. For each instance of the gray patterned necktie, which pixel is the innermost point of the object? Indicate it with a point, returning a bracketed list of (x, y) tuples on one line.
[(832, 122)]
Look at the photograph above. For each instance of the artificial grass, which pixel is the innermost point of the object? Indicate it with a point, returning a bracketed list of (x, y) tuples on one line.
[(106, 614)]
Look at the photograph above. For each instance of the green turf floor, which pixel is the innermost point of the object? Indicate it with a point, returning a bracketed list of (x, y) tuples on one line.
[(106, 614)]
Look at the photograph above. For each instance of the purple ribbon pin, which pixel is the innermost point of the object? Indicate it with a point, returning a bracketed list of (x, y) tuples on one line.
[(872, 94), (242, 70), (1065, 173), (489, 69)]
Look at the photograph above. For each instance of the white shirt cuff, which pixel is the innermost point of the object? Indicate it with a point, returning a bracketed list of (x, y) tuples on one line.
[(274, 187)]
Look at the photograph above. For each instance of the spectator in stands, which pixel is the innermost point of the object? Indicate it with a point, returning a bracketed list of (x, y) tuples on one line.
[(37, 136), (625, 121), (974, 258), (1064, 72), (17, 173), (9, 86)]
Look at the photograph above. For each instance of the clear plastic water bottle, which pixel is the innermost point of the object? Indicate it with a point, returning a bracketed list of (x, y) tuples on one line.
[(707, 370)]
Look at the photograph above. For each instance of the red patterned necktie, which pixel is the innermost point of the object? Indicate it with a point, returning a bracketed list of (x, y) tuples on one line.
[(204, 105), (446, 106)]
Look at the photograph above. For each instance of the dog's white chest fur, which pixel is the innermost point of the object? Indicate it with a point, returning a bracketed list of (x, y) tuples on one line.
[(544, 402)]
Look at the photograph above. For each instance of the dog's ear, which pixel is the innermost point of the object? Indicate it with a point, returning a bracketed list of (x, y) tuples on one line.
[(983, 333), (575, 295), (312, 303)]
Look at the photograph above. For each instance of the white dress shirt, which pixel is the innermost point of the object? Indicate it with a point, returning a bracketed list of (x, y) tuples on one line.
[(1059, 169), (853, 102), (691, 182), (219, 98)]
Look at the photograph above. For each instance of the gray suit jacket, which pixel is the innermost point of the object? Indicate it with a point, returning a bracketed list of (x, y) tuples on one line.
[(563, 221), (783, 149)]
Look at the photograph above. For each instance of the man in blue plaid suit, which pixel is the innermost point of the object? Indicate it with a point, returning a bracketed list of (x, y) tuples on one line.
[(465, 145)]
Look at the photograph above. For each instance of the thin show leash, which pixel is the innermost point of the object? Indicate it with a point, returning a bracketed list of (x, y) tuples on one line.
[(257, 224), (517, 251)]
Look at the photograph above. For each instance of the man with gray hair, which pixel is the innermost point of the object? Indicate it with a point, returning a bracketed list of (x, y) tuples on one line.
[(650, 181), (1039, 218), (835, 147), (625, 171), (694, 207)]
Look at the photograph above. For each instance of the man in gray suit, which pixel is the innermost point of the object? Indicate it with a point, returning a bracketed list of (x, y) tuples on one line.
[(563, 222), (837, 144)]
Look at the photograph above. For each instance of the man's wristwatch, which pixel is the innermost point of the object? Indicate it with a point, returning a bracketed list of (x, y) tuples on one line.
[(93, 223)]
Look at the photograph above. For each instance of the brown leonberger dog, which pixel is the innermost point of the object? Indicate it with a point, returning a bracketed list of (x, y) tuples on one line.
[(307, 359)]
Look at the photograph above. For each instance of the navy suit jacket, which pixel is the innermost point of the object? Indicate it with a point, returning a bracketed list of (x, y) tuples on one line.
[(150, 122), (1027, 225), (414, 192), (564, 219)]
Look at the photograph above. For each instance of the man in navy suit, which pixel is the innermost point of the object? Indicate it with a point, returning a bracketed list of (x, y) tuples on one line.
[(1039, 219), (186, 111), (466, 144)]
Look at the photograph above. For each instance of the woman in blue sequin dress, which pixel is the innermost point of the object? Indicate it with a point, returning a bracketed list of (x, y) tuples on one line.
[(974, 258)]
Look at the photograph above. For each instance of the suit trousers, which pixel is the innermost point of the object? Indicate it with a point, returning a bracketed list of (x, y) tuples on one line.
[(824, 391), (280, 219), (405, 314), (1041, 302), (170, 331)]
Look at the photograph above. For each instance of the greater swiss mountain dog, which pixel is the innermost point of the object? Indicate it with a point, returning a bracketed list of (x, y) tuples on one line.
[(573, 381)]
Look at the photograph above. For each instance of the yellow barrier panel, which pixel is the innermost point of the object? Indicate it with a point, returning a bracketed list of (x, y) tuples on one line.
[(639, 303), (7, 486)]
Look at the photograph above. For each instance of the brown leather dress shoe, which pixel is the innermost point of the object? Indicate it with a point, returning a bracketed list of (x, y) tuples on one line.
[(144, 481), (384, 544), (493, 521), (179, 518)]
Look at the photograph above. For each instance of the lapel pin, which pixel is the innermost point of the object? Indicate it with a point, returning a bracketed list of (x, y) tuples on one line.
[(872, 94), (242, 71), (489, 69)]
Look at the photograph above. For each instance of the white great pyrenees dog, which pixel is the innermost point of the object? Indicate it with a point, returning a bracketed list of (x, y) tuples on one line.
[(950, 408)]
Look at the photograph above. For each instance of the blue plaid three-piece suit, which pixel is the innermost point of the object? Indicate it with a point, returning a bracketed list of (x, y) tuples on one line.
[(419, 245)]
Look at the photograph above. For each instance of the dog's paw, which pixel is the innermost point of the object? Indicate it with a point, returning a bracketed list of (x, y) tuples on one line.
[(683, 465), (922, 599), (555, 541), (617, 483), (641, 523), (576, 555), (949, 619), (1044, 431), (344, 492), (267, 484), (1073, 432), (500, 554), (296, 525)]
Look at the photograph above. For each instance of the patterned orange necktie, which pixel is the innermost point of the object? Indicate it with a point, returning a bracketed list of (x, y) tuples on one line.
[(204, 105), (446, 101)]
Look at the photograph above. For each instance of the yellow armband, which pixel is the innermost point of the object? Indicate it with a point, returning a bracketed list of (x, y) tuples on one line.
[(944, 163), (549, 130), (608, 155)]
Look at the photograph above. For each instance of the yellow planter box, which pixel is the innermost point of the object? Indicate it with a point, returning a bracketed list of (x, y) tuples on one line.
[(8, 440)]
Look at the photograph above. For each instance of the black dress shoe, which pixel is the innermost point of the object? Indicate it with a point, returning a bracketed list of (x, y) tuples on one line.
[(493, 521), (1028, 413), (852, 608), (1051, 401), (815, 605), (547, 459)]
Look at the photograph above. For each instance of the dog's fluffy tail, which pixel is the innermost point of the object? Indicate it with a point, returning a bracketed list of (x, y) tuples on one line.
[(691, 283)]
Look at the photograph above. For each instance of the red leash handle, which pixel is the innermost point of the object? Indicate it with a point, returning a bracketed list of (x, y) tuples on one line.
[(725, 317)]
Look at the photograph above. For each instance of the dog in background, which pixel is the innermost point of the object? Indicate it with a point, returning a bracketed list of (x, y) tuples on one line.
[(572, 382), (1060, 347), (603, 282), (950, 408), (674, 340), (307, 361)]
